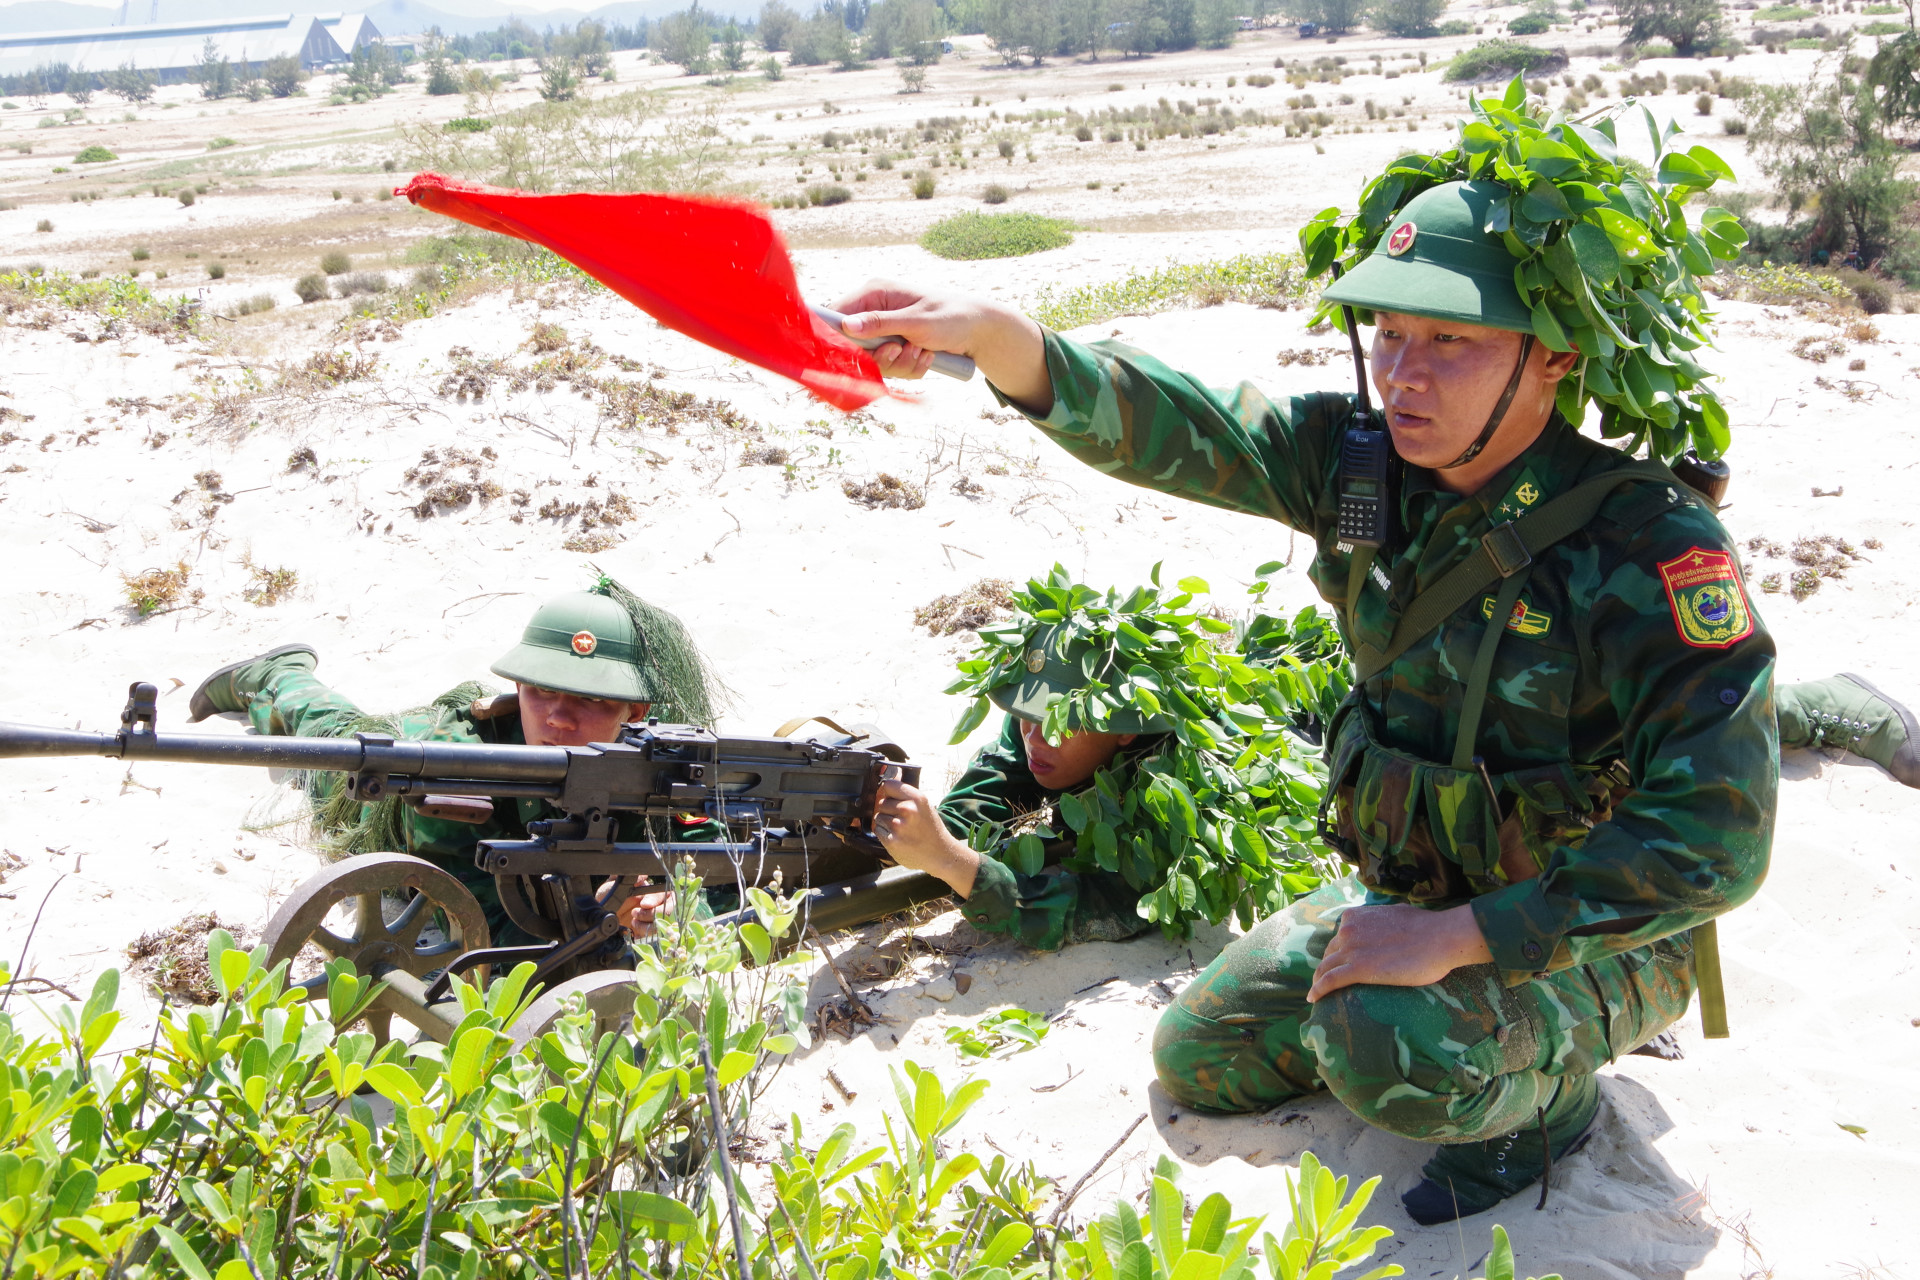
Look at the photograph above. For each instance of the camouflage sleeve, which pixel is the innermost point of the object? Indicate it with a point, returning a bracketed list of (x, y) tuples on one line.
[(1123, 412), (1046, 911), (1688, 669)]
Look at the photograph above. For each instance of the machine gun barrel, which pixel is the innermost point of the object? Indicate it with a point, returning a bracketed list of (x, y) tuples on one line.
[(478, 762)]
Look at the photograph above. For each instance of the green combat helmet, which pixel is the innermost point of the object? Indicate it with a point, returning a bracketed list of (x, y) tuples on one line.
[(1601, 257), (606, 642), (1053, 666)]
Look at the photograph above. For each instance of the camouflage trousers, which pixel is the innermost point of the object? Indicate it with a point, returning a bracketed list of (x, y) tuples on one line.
[(1459, 1061)]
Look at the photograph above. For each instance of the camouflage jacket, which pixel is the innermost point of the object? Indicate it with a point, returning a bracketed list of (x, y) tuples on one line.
[(1049, 910), (1633, 652)]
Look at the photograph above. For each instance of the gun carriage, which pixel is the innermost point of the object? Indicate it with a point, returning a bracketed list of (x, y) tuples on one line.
[(798, 807)]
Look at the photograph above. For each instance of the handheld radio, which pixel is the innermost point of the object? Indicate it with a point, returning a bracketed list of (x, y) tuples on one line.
[(1369, 468)]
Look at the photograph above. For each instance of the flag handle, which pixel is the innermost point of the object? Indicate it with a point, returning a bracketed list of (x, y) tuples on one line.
[(954, 366)]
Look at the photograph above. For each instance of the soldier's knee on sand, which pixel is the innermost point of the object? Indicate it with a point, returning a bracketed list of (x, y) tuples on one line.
[(1194, 1056), (1369, 1049)]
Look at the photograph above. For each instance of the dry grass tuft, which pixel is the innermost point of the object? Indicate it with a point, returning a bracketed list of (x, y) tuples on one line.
[(1818, 349), (1306, 355), (966, 610), (160, 590), (173, 960), (885, 490), (546, 338), (269, 586)]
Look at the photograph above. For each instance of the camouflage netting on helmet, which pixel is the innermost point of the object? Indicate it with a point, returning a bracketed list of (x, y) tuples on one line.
[(347, 826), (1606, 254), (688, 690)]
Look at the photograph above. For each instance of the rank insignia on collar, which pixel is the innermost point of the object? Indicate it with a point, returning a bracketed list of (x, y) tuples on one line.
[(1520, 499), (1710, 608)]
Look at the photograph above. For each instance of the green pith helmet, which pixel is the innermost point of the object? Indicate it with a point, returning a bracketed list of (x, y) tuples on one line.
[(1053, 668), (608, 643), (1437, 260)]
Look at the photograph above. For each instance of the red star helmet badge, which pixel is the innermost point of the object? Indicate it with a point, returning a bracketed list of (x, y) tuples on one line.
[(585, 642), (1402, 239)]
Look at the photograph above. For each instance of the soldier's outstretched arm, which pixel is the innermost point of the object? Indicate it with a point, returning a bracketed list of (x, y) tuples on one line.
[(1120, 410)]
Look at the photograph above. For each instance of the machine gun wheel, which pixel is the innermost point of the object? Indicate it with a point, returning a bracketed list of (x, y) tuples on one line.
[(609, 997), (378, 935)]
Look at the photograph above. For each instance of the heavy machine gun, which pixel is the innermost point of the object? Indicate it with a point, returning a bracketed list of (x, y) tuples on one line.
[(799, 807)]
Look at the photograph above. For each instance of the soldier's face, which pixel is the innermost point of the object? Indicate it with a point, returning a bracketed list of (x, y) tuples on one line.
[(549, 718), (1438, 382), (1078, 757)]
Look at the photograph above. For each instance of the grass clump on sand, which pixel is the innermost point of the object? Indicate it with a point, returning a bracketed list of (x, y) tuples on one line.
[(174, 960), (967, 610), (95, 154), (154, 591), (1497, 59), (1262, 279), (970, 235), (1779, 284)]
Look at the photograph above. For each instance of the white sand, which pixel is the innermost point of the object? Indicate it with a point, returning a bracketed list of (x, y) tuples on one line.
[(1731, 1163)]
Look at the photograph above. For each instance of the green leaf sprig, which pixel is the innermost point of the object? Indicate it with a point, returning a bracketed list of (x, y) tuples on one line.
[(1608, 259), (1216, 820)]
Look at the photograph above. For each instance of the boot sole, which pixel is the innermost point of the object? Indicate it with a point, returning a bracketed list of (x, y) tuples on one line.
[(1906, 761), (200, 706)]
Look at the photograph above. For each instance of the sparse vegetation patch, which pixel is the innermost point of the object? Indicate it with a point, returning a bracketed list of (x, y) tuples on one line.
[(970, 235)]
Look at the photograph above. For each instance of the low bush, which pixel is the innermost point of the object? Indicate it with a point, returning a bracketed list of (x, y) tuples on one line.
[(828, 193), (220, 144), (1883, 29), (1734, 125), (971, 235), (347, 286), (253, 306), (1782, 13), (95, 154), (186, 195), (1530, 24), (1499, 59), (994, 194), (312, 288), (923, 186), (336, 262), (216, 271), (141, 253), (45, 224), (467, 124)]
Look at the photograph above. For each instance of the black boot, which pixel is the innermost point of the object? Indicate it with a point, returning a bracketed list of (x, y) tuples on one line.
[(1467, 1178)]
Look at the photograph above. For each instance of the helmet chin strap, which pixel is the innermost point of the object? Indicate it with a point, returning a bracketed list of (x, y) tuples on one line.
[(1499, 410)]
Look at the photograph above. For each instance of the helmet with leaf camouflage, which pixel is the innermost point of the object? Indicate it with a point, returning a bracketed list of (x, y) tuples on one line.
[(1537, 223), (606, 642)]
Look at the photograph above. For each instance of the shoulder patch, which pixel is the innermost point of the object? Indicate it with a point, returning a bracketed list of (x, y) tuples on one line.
[(1710, 607)]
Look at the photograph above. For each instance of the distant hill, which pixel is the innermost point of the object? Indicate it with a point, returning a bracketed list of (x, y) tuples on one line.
[(395, 17)]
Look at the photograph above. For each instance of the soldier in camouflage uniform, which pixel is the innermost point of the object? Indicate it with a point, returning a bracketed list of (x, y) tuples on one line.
[(1017, 775), (587, 663), (1539, 821)]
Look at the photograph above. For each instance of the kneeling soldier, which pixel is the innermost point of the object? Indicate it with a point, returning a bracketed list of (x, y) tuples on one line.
[(1545, 791)]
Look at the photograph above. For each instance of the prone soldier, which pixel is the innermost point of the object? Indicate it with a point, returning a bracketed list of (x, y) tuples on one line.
[(587, 663)]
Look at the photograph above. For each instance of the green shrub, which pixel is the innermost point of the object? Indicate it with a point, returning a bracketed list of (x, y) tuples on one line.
[(252, 306), (994, 194), (141, 253), (45, 224), (1806, 42), (1498, 59), (95, 154), (828, 193), (219, 144), (1530, 24), (968, 236), (1734, 125), (216, 271), (186, 195), (922, 186), (1083, 133), (336, 262), (467, 124), (1265, 280), (312, 288), (1782, 13), (1883, 29)]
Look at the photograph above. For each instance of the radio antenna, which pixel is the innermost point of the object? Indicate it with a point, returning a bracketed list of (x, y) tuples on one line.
[(1359, 360)]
